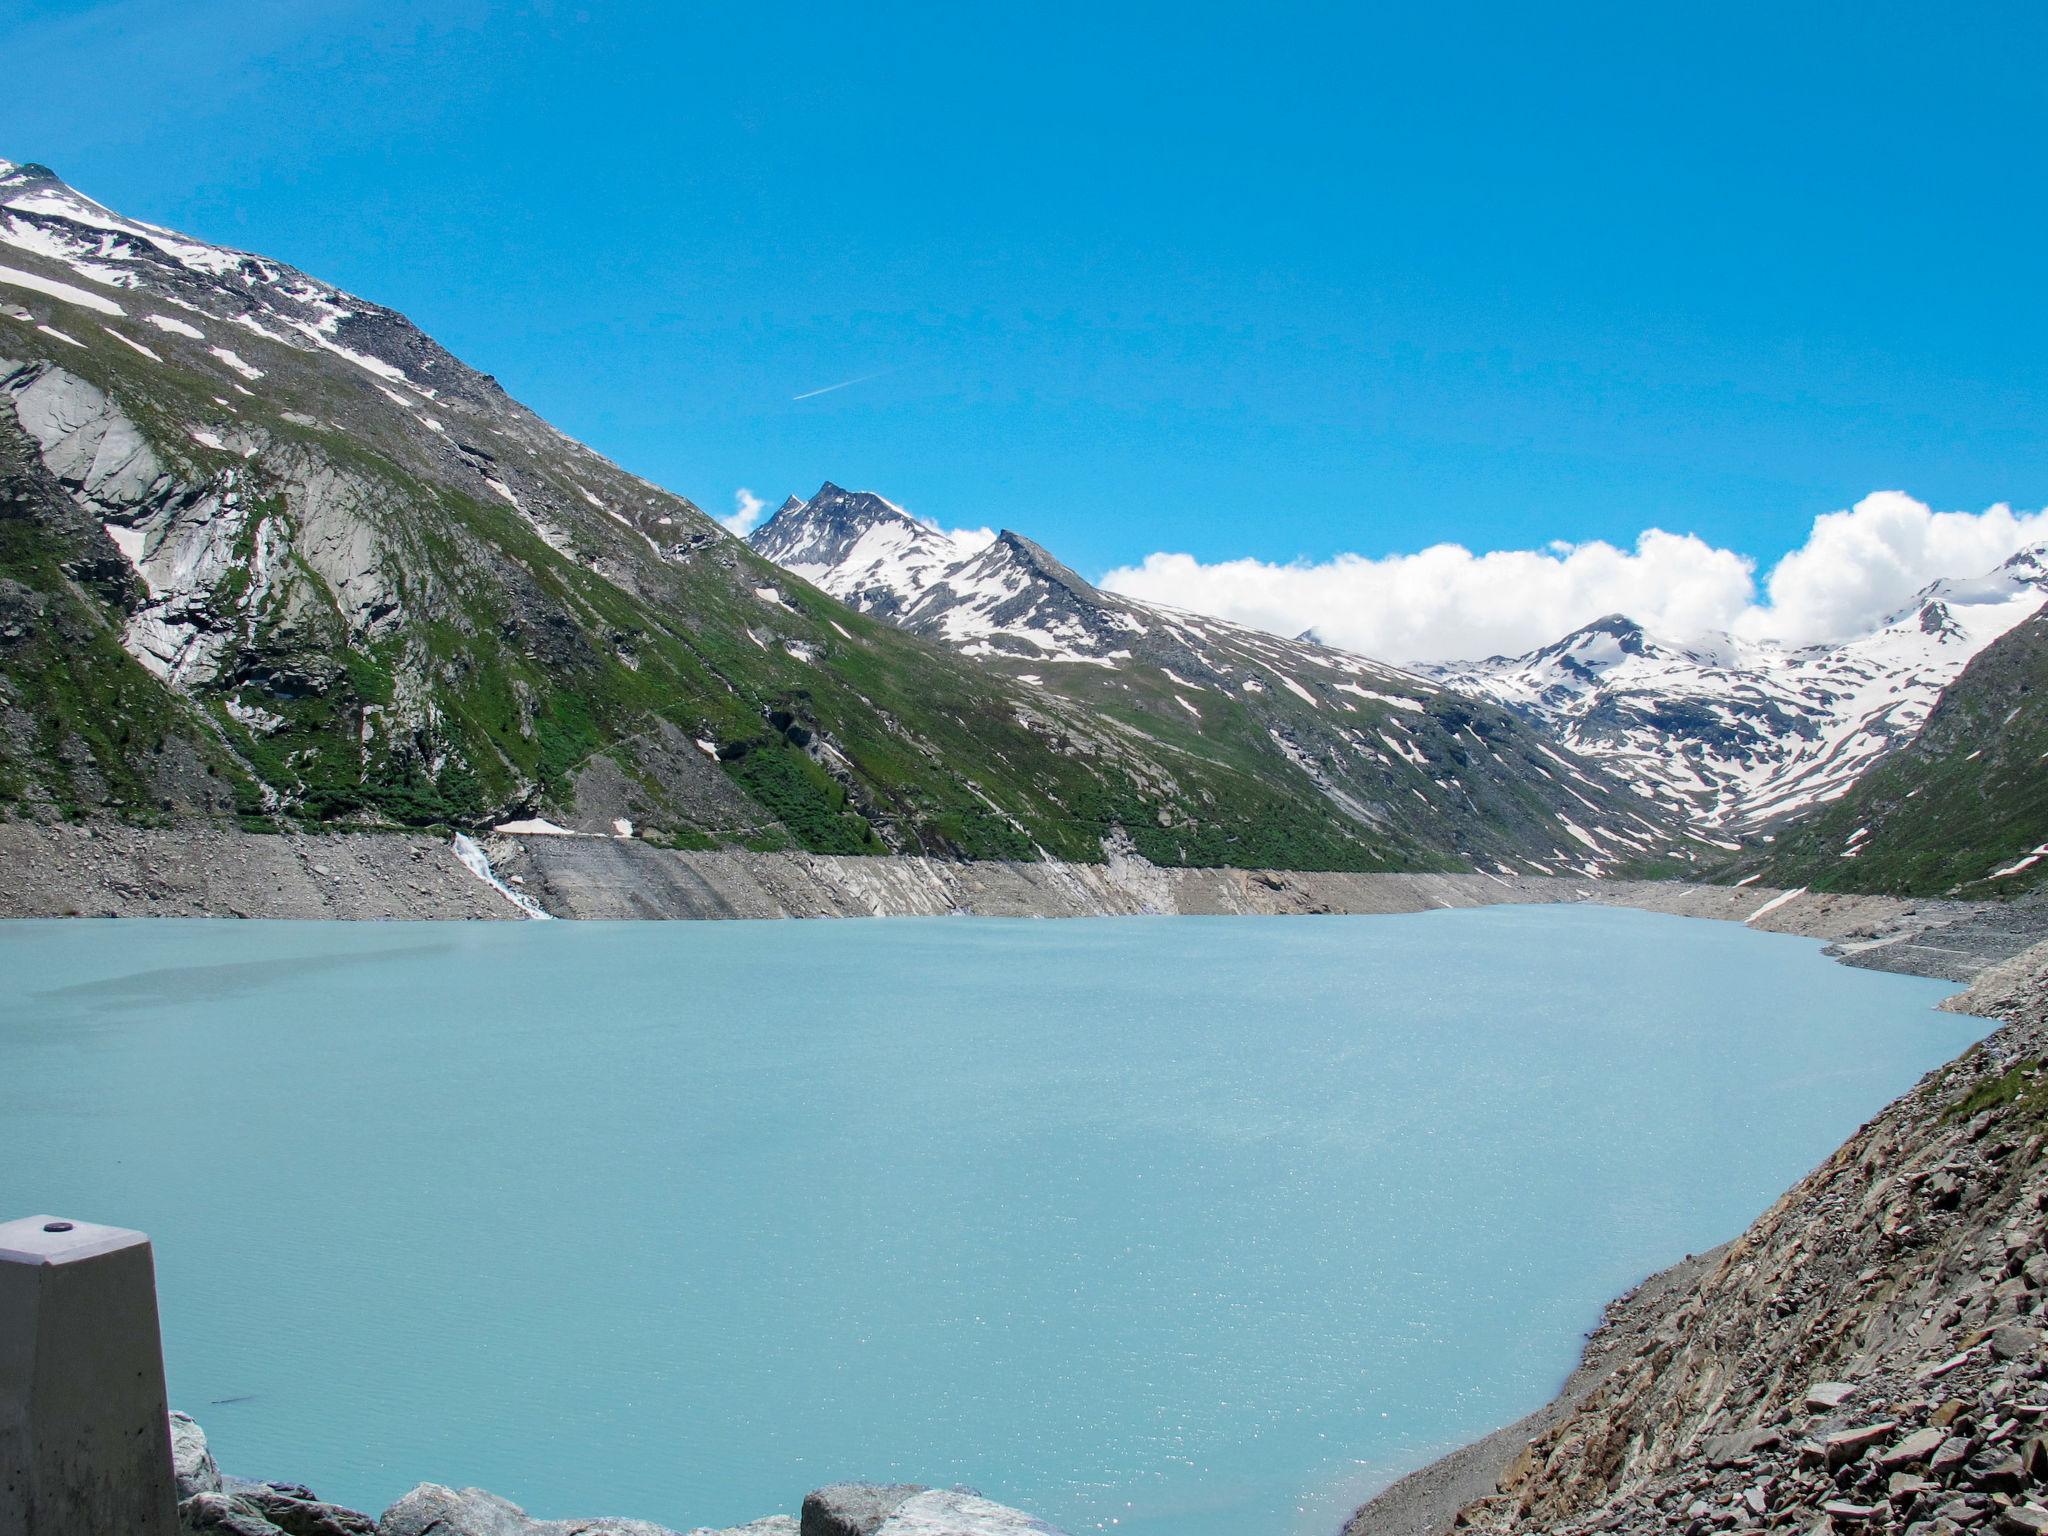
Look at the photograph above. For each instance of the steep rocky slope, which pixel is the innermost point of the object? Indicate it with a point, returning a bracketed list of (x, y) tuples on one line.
[(1961, 809), (1869, 1356), (1381, 746), (270, 554), (1744, 733)]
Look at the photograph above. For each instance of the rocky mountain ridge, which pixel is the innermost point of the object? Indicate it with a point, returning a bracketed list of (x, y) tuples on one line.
[(1961, 808), (1733, 741), (269, 556), (1368, 738), (1743, 734)]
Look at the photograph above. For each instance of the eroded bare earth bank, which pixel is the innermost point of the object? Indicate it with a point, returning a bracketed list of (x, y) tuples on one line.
[(115, 871)]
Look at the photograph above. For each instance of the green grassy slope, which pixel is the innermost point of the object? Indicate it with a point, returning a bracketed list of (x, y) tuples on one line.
[(543, 658)]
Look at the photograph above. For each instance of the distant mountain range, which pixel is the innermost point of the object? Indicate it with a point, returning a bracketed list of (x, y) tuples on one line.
[(1962, 807), (270, 554), (1728, 739), (1366, 737), (1741, 734)]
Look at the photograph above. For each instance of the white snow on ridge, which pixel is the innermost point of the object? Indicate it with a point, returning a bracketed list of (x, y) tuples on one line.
[(1398, 700), (2026, 863), (174, 327), (129, 342), (1775, 902), (228, 356), (51, 288), (1738, 732), (535, 826)]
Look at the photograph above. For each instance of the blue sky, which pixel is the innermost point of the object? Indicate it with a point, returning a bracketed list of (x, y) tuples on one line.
[(1275, 281)]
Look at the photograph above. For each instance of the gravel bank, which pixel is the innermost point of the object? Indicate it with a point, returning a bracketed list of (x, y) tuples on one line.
[(105, 870)]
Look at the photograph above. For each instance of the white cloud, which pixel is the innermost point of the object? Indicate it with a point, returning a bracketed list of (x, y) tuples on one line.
[(748, 511), (1446, 602), (1859, 565), (970, 540)]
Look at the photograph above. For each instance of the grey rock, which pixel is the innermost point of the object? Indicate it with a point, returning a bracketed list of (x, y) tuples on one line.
[(774, 1525), (1846, 1445), (853, 1509), (219, 1514), (432, 1510), (297, 1516), (1726, 1450), (1904, 1487), (1914, 1448), (945, 1512), (191, 1462), (1951, 1453), (1826, 1396), (2013, 1342), (1995, 1469)]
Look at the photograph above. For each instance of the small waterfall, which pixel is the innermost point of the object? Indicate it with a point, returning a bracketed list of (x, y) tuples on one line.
[(478, 863)]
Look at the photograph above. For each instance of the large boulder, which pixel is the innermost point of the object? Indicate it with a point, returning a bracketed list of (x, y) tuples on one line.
[(258, 1509), (217, 1514), (853, 1509), (191, 1462), (297, 1513), (432, 1510), (210, 1503), (947, 1512)]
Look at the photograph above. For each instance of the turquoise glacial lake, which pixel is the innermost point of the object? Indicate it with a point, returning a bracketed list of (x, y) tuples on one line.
[(1192, 1226)]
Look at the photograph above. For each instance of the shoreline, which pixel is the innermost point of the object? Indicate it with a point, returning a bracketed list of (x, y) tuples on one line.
[(100, 870), (136, 872), (1466, 1486)]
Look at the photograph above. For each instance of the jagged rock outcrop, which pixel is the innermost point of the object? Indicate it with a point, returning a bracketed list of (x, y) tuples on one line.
[(853, 1509)]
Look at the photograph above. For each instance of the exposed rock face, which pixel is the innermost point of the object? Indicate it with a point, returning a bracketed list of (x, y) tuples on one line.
[(1378, 744), (1741, 731), (431, 1510), (191, 1462), (853, 1509), (1867, 1357), (948, 1512), (211, 1504)]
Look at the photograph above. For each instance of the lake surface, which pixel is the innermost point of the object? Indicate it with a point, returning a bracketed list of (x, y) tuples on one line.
[(1193, 1226)]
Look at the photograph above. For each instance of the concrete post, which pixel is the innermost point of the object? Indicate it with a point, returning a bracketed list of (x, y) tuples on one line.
[(85, 1443)]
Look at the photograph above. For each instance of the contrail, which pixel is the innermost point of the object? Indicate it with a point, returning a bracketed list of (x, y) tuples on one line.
[(810, 394)]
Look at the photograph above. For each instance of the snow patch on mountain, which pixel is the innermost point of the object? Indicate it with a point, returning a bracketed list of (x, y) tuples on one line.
[(1741, 732)]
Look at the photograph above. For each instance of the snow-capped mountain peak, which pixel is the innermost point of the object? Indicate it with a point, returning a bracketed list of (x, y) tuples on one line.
[(1373, 740), (177, 285), (1741, 732), (862, 548)]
